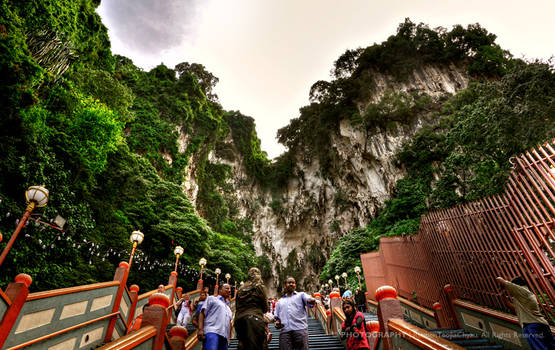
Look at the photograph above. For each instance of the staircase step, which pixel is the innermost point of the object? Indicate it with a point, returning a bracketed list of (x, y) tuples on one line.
[(317, 338)]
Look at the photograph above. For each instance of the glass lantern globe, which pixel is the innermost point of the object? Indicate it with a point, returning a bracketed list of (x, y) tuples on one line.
[(38, 195), (136, 237), (178, 251)]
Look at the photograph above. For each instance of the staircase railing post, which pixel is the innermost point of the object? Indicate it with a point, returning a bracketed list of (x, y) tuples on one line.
[(314, 310), (366, 302), (388, 308), (335, 301), (179, 291), (121, 275), (438, 309), (156, 315), (178, 337), (373, 335), (452, 312), (173, 282), (17, 293), (134, 291)]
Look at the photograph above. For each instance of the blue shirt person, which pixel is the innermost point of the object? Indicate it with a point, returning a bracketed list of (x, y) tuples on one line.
[(291, 317), (347, 294), (215, 320)]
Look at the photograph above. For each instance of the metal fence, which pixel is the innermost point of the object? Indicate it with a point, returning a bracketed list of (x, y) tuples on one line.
[(469, 245)]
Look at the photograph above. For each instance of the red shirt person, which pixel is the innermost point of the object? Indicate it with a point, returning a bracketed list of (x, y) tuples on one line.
[(354, 327)]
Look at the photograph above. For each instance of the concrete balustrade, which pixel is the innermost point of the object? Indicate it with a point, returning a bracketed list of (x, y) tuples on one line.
[(77, 315), (84, 316)]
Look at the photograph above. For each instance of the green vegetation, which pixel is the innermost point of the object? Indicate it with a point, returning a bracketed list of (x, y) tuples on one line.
[(103, 136), (112, 143), (398, 56), (464, 157)]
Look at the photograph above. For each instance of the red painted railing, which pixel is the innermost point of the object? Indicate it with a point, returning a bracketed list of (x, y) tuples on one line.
[(467, 246)]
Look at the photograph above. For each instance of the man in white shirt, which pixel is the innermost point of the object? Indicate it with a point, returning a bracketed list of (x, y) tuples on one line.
[(291, 317), (214, 322)]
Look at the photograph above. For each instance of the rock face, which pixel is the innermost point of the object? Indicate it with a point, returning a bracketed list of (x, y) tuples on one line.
[(313, 210)]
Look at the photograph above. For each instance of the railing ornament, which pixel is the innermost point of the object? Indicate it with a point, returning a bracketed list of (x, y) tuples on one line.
[(385, 292), (24, 278)]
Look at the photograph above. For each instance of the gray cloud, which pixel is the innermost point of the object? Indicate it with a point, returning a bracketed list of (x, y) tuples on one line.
[(149, 26)]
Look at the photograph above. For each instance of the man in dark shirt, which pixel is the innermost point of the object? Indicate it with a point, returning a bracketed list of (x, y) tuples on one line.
[(360, 300), (251, 304)]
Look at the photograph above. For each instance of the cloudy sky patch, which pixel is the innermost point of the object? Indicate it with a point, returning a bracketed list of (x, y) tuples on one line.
[(149, 26), (268, 53)]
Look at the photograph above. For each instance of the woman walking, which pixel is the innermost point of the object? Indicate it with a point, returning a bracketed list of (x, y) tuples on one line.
[(251, 304), (184, 306), (354, 327)]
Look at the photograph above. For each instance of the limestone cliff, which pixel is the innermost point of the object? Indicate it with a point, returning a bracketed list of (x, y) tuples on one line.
[(308, 215)]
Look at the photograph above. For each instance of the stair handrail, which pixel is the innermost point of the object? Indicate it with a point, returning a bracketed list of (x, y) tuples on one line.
[(322, 317), (420, 337), (69, 290), (132, 339), (491, 312), (337, 319)]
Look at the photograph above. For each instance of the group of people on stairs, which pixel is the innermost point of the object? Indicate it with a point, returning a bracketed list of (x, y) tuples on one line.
[(290, 316), (213, 317)]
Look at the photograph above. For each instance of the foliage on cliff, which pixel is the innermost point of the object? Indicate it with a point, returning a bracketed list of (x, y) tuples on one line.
[(398, 56), (101, 135), (464, 157)]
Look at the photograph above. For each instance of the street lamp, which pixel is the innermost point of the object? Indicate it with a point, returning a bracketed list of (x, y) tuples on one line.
[(227, 277), (36, 197), (202, 263), (357, 271), (178, 251), (136, 238), (344, 275), (217, 271)]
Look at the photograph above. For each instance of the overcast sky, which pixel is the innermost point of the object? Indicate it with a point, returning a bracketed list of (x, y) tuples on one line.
[(267, 53)]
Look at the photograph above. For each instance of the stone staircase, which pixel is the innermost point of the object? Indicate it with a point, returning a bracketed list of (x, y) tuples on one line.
[(317, 338)]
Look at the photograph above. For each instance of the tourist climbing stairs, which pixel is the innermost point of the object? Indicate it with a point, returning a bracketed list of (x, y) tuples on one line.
[(317, 338)]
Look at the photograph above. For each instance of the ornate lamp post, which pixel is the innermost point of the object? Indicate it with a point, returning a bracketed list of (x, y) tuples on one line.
[(37, 197), (217, 271), (344, 275), (227, 277), (217, 286), (202, 263), (136, 238), (178, 251), (357, 271), (337, 280)]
